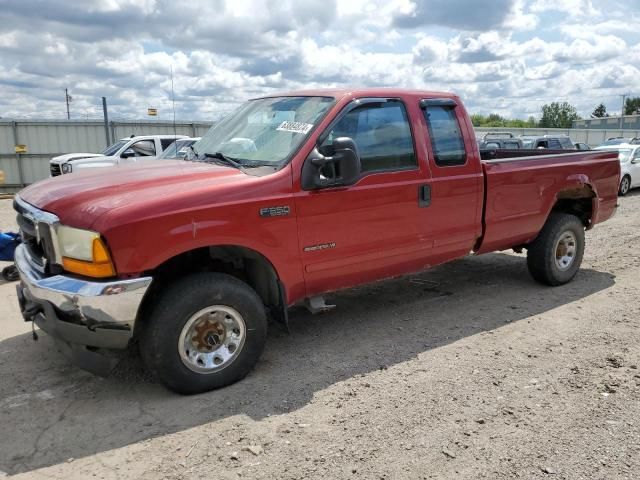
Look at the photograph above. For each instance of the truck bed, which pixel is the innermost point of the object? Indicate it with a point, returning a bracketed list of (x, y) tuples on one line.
[(521, 188)]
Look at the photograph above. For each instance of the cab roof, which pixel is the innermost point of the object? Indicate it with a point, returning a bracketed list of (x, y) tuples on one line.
[(146, 137), (339, 93)]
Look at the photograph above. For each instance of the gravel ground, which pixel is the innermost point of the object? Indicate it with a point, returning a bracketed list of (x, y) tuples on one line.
[(470, 370)]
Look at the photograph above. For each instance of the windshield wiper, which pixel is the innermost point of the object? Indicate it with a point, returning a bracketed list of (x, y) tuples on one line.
[(195, 152), (227, 160)]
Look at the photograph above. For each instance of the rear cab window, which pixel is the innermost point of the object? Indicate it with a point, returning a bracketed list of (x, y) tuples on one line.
[(445, 134)]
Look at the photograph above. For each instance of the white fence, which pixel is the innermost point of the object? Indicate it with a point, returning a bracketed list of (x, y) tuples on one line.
[(591, 137), (47, 138), (44, 139)]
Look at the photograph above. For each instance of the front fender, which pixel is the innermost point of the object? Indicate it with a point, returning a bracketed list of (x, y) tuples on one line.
[(145, 244)]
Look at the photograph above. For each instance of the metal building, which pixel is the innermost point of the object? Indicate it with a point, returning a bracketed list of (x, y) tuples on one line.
[(26, 146), (629, 122)]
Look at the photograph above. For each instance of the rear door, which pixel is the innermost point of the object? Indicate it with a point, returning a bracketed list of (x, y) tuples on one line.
[(379, 227), (457, 178)]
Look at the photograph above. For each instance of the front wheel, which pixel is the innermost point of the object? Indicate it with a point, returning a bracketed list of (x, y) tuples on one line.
[(207, 331), (554, 257), (625, 185)]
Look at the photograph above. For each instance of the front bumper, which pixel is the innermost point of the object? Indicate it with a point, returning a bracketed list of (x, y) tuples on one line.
[(79, 312)]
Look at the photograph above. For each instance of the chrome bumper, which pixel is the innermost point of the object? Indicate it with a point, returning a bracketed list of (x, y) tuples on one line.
[(88, 313)]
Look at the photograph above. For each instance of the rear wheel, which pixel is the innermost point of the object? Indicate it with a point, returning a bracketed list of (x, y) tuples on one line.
[(625, 185), (554, 257), (207, 331)]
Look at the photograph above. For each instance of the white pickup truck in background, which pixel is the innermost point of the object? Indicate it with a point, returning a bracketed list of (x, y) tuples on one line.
[(125, 150)]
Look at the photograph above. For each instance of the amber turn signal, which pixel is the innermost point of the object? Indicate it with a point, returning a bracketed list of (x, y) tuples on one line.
[(100, 267)]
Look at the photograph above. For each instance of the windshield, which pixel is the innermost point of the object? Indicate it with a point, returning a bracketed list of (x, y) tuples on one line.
[(266, 131), (113, 149), (177, 149), (613, 141)]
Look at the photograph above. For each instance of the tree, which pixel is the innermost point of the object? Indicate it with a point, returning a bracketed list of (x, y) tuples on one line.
[(558, 115), (632, 106), (600, 111), (496, 120), (477, 119)]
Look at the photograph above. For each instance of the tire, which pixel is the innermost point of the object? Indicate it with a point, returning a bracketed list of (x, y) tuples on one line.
[(10, 273), (195, 324), (554, 257), (625, 185)]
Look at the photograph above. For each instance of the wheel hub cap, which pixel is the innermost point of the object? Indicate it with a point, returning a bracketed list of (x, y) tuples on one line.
[(211, 339), (566, 250)]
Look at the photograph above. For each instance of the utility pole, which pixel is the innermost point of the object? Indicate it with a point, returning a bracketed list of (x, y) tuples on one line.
[(67, 98), (106, 120)]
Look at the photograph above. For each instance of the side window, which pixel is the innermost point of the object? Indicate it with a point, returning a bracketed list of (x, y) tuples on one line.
[(144, 148), (636, 155), (554, 144), (512, 145), (566, 143), (165, 142), (382, 134), (446, 138), (542, 144)]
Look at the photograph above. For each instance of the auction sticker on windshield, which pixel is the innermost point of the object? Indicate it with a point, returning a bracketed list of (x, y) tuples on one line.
[(295, 127)]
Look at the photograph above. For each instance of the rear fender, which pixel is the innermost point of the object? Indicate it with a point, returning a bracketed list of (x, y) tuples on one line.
[(579, 186)]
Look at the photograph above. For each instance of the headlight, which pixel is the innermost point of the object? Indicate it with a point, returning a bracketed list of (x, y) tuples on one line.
[(67, 168), (84, 252)]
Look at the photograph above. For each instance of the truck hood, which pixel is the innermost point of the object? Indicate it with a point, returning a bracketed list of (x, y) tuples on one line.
[(73, 156), (79, 199), (97, 159)]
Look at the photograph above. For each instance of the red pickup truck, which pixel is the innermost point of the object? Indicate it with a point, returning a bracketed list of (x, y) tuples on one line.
[(288, 198)]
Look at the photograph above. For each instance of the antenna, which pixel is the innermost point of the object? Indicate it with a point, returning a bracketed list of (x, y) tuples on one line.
[(173, 101)]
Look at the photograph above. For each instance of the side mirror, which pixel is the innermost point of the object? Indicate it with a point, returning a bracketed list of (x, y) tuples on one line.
[(128, 153), (341, 168)]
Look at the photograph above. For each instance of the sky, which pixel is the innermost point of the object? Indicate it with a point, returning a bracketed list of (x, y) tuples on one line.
[(504, 56)]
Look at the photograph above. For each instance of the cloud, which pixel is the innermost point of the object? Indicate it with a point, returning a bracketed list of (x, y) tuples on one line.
[(481, 15), (597, 49), (575, 8), (506, 55)]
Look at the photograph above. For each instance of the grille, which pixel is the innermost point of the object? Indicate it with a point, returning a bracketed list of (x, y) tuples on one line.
[(55, 169), (36, 234)]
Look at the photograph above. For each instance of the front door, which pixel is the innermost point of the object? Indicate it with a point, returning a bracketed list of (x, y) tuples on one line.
[(375, 228)]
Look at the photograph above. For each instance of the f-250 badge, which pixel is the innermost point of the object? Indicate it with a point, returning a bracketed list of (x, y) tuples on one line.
[(275, 211)]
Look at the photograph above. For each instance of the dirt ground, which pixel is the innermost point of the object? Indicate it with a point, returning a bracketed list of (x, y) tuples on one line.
[(470, 370)]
